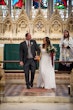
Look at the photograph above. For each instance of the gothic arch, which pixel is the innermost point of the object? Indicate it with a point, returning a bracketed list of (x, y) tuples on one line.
[(39, 25), (69, 23), (22, 24), (7, 25), (55, 25)]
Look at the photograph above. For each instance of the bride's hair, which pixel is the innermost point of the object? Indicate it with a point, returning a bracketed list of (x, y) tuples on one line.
[(67, 35), (47, 42)]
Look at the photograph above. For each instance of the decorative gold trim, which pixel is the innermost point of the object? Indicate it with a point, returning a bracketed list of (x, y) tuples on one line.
[(24, 39)]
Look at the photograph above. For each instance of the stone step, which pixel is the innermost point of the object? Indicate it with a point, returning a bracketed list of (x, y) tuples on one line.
[(37, 99), (19, 78)]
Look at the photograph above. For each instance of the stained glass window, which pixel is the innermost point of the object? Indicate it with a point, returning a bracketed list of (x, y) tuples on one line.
[(44, 4), (4, 8), (60, 4), (40, 3)]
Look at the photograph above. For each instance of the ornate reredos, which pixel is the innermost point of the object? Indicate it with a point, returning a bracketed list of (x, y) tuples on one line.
[(55, 25), (22, 24), (39, 25), (69, 23), (1, 14), (7, 24)]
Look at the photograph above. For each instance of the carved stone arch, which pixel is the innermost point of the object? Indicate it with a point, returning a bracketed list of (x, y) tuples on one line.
[(69, 23), (7, 24), (39, 24), (22, 24), (55, 25)]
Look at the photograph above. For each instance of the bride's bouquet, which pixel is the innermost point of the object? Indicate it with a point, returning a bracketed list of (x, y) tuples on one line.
[(51, 49)]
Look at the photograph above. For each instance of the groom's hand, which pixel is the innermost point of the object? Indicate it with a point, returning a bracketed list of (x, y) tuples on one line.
[(37, 58), (21, 63)]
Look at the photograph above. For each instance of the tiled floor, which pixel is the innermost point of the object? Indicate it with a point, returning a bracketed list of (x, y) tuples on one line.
[(20, 90)]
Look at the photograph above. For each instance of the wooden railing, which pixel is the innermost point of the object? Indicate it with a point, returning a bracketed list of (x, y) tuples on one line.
[(17, 61)]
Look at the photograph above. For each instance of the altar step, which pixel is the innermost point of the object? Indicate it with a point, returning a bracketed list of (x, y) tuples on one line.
[(37, 99), (15, 90), (18, 78), (18, 93)]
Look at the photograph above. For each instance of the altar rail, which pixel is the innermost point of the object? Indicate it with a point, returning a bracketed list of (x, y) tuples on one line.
[(17, 61)]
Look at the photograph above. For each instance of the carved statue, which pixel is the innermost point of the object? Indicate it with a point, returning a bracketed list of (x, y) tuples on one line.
[(7, 26), (21, 26)]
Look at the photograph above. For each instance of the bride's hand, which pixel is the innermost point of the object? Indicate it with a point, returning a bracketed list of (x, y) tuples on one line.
[(37, 58), (21, 63)]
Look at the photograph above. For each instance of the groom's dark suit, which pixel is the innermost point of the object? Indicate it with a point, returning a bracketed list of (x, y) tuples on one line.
[(29, 63)]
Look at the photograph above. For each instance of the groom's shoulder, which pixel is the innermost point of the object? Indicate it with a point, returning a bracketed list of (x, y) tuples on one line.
[(33, 40), (22, 42)]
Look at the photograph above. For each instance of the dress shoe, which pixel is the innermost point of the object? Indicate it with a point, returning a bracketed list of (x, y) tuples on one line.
[(31, 84), (28, 87)]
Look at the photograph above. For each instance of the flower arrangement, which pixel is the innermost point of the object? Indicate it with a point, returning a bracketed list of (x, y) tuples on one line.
[(51, 49)]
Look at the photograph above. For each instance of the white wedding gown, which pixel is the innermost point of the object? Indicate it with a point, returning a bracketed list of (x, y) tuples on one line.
[(46, 76)]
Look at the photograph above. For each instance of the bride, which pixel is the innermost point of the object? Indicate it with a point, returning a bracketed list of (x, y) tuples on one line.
[(46, 76)]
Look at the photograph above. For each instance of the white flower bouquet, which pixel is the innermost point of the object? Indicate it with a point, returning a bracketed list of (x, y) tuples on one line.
[(51, 49)]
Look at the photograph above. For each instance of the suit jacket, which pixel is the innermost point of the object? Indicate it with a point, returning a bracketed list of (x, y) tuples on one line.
[(24, 50)]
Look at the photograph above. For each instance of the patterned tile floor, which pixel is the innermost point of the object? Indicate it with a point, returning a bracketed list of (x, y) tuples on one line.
[(20, 90)]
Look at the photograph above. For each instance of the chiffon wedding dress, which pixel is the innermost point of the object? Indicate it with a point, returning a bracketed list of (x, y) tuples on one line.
[(46, 76)]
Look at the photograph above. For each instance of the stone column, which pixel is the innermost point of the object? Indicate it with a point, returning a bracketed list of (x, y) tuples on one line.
[(2, 84), (28, 7), (70, 7), (71, 83), (9, 6), (50, 7)]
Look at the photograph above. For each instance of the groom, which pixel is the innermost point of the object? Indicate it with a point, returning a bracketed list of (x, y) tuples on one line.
[(28, 49)]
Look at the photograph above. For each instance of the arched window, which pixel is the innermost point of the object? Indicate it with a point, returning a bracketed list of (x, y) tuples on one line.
[(62, 6), (4, 8)]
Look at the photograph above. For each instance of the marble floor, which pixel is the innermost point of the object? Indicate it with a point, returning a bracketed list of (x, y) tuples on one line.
[(36, 106), (17, 92)]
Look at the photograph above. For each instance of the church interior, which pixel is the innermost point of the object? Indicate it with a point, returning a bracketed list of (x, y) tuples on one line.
[(40, 18)]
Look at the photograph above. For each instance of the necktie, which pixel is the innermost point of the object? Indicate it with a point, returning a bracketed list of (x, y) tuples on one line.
[(28, 43)]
